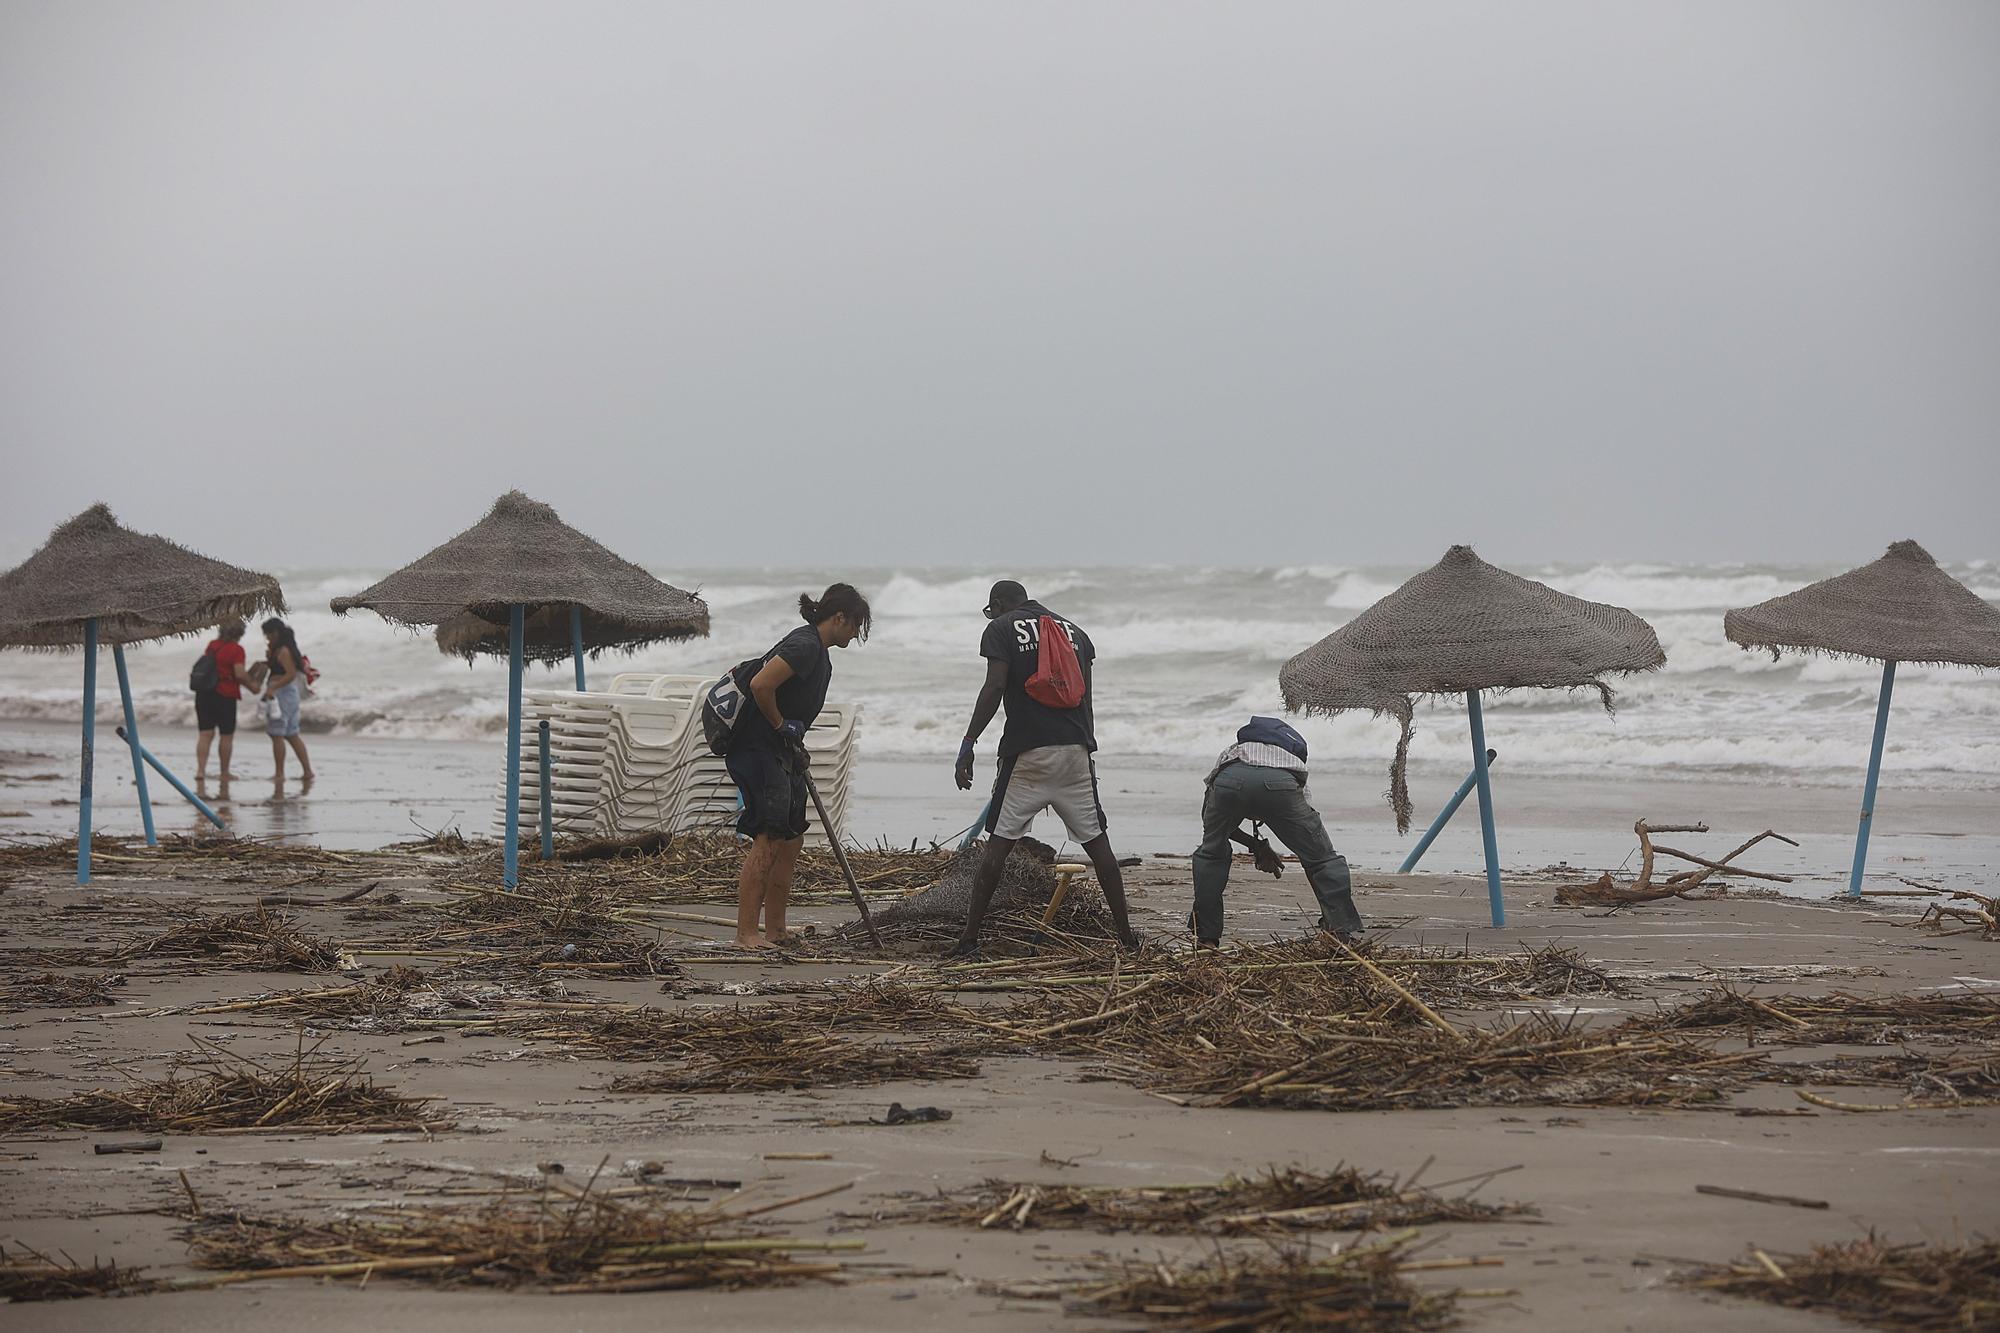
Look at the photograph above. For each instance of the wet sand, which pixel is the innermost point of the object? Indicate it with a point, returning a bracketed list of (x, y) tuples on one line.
[(1615, 1186)]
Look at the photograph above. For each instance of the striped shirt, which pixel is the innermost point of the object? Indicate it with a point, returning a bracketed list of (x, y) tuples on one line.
[(1261, 755)]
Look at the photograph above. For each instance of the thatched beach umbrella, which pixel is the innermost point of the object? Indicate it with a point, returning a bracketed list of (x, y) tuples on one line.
[(1463, 626), (1900, 608), (95, 581), (524, 583)]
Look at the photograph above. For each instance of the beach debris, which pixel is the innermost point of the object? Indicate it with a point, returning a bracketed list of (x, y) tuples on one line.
[(1932, 1081), (226, 1094), (1278, 1199), (554, 1235), (899, 1114), (55, 990), (253, 941), (1362, 1288), (1031, 914), (127, 1145), (30, 1275), (1917, 1286), (1757, 1196), (774, 1062), (1605, 892), (1838, 1018), (184, 851)]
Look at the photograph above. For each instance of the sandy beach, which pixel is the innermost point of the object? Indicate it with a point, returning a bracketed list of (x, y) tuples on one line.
[(1613, 1187)]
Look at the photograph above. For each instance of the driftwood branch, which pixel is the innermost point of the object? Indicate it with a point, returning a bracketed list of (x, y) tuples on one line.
[(1605, 892)]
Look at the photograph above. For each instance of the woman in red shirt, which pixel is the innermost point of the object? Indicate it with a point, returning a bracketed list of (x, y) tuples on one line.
[(215, 710)]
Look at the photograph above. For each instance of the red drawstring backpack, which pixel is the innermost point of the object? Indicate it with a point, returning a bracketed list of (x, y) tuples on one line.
[(1058, 678)]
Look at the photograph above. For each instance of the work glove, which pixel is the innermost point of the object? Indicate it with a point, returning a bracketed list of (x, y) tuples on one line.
[(793, 731), (1266, 858), (962, 774)]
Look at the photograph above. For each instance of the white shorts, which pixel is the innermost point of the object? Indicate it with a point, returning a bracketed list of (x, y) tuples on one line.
[(1062, 776)]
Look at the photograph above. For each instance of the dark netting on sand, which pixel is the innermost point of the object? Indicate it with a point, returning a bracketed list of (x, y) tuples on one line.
[(1464, 625), (136, 586), (1900, 608), (522, 554)]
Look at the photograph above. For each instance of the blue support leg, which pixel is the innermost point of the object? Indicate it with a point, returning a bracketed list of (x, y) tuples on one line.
[(1485, 807), (548, 805), (978, 825), (1443, 818), (89, 759), (178, 785), (1874, 772), (576, 643), (130, 734), (511, 855)]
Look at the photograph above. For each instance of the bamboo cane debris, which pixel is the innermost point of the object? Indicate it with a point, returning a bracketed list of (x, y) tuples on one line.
[(1920, 1287), (402, 997), (225, 1094), (1361, 1289), (1278, 1199), (1931, 1081), (216, 852), (30, 1275), (768, 1062), (54, 990), (560, 1238), (255, 941), (704, 868), (1838, 1018)]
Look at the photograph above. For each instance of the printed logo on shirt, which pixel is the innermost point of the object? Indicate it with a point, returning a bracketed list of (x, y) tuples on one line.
[(1028, 634)]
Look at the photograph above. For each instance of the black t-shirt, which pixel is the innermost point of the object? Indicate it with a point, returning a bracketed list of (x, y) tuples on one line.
[(801, 697), (1015, 638)]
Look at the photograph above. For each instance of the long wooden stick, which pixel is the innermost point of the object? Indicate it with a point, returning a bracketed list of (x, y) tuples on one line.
[(840, 855), (1430, 1015)]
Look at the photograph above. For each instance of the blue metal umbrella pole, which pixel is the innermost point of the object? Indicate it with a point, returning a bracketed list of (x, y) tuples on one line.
[(1443, 818), (89, 738), (1874, 772), (576, 643), (130, 734), (179, 786), (1485, 807), (511, 855), (548, 807)]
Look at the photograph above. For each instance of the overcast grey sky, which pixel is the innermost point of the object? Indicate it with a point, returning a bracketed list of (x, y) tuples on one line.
[(1007, 283)]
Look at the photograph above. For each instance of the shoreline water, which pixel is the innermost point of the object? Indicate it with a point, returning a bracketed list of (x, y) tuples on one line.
[(376, 791)]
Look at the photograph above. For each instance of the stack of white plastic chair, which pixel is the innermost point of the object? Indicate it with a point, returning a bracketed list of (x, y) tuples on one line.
[(633, 759)]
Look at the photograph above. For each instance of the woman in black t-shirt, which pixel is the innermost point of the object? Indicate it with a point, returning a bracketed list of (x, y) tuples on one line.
[(767, 758)]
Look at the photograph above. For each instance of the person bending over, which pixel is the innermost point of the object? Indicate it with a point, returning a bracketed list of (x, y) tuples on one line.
[(1263, 778), (767, 756), (1045, 755)]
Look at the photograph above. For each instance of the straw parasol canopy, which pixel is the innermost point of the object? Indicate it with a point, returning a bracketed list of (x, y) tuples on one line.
[(1900, 608), (1464, 625), (522, 554), (135, 585)]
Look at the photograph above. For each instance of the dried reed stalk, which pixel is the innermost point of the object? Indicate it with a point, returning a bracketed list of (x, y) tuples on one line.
[(1928, 1288), (228, 1094), (1280, 1199), (561, 1238)]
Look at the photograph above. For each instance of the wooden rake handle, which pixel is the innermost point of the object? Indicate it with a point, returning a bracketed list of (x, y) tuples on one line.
[(840, 855)]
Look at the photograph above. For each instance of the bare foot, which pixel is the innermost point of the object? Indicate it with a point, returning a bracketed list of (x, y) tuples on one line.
[(782, 938), (752, 942)]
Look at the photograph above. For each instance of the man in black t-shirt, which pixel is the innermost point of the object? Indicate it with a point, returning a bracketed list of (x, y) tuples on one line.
[(1045, 755)]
